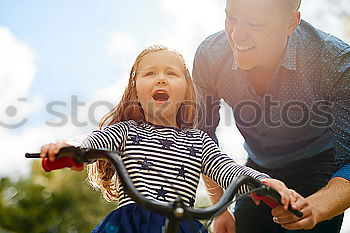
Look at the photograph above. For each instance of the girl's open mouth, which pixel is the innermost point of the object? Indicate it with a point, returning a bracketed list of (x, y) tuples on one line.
[(160, 96)]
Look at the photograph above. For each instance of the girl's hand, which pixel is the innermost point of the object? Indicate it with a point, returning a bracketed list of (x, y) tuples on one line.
[(287, 195), (51, 150)]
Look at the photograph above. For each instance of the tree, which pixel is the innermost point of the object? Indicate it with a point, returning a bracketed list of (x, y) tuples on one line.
[(55, 202)]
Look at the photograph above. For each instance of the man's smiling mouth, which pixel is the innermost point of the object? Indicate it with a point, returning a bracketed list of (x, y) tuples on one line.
[(244, 48)]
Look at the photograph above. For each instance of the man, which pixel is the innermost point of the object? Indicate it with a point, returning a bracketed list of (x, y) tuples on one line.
[(289, 87)]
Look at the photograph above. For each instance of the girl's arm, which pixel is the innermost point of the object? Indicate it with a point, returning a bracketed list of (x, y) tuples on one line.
[(223, 169), (110, 138), (220, 167)]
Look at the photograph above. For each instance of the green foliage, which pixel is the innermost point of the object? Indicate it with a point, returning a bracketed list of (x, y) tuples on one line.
[(55, 202)]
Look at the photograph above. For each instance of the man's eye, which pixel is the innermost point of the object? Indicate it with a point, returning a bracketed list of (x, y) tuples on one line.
[(255, 25), (231, 20)]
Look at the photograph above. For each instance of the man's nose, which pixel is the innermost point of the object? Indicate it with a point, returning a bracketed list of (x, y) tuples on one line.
[(239, 33)]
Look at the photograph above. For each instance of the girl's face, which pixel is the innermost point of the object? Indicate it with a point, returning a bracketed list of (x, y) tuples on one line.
[(161, 86)]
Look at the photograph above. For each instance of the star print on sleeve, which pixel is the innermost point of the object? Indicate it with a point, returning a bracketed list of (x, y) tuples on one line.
[(136, 139), (181, 171), (161, 193), (191, 202), (145, 165), (166, 143), (192, 150)]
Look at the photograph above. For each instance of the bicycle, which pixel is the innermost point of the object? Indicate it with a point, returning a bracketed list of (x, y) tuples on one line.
[(241, 187)]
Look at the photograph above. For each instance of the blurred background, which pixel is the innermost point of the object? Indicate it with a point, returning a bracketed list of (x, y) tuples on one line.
[(64, 64)]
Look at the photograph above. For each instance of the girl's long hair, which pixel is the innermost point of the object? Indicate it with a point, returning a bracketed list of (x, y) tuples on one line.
[(101, 173)]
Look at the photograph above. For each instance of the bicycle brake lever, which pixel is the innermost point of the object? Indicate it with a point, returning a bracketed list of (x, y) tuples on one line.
[(272, 198)]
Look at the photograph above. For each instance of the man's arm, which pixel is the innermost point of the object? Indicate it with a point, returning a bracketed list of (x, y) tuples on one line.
[(208, 100), (333, 199)]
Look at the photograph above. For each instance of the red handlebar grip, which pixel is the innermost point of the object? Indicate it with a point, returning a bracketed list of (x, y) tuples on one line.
[(58, 163), (269, 201)]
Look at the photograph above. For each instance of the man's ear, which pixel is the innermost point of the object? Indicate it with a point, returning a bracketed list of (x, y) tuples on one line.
[(294, 22)]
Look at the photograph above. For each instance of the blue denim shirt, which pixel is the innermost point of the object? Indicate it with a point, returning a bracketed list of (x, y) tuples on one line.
[(305, 110)]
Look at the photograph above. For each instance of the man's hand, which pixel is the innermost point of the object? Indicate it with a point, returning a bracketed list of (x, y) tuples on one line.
[(224, 223), (292, 222), (323, 205)]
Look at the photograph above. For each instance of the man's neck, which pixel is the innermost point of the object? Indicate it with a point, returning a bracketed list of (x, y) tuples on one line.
[(261, 76), (260, 79)]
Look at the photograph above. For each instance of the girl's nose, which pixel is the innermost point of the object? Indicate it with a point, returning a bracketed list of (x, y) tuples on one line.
[(161, 81)]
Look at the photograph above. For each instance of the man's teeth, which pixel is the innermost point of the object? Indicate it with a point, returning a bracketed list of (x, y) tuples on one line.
[(244, 47)]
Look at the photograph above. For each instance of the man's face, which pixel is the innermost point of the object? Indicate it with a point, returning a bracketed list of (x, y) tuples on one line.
[(257, 31)]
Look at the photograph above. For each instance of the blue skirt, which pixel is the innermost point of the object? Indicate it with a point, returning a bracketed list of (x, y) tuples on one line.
[(134, 219)]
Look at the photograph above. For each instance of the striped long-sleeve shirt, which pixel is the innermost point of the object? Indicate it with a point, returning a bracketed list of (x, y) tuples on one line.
[(164, 162)]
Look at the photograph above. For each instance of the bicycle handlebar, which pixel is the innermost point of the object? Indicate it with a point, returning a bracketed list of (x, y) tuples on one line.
[(73, 156)]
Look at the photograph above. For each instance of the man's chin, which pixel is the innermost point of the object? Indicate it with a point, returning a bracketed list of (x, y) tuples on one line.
[(244, 63), (245, 66)]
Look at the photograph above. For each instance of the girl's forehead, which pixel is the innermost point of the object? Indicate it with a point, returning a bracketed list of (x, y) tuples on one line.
[(161, 58)]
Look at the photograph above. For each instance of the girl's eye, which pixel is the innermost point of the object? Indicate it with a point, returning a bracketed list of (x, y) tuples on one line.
[(150, 73), (171, 73)]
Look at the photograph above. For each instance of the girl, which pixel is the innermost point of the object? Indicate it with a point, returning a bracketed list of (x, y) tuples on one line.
[(153, 127)]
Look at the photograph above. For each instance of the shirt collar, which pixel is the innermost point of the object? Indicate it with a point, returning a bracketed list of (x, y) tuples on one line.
[(234, 65), (289, 58)]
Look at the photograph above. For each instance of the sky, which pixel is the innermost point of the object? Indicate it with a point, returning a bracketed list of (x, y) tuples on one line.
[(63, 64)]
